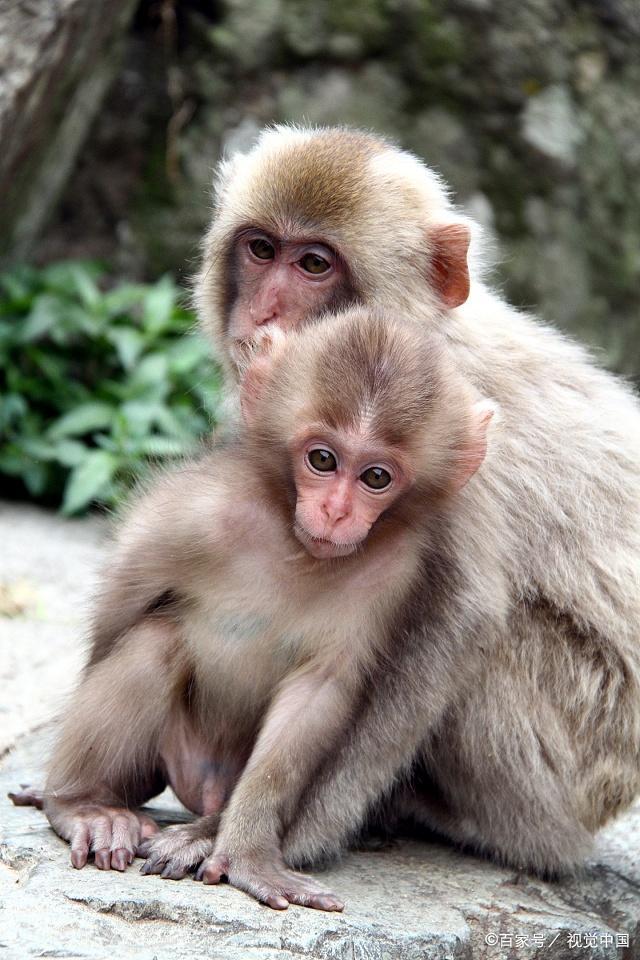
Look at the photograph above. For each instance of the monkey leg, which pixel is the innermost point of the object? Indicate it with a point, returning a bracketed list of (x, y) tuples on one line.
[(500, 776), (543, 748), (106, 761)]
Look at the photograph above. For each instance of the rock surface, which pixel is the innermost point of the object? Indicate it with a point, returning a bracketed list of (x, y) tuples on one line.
[(57, 62), (529, 108), (405, 901)]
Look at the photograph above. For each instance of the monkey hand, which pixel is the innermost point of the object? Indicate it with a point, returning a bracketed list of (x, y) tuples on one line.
[(262, 874), (112, 834), (177, 851)]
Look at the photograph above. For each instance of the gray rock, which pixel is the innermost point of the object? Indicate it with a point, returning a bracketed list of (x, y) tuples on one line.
[(550, 124), (58, 61), (406, 900)]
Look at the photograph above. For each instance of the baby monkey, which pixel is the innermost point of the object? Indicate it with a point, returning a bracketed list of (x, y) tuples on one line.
[(255, 594)]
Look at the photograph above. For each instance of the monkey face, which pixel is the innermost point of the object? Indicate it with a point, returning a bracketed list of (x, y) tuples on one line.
[(343, 484), (281, 282)]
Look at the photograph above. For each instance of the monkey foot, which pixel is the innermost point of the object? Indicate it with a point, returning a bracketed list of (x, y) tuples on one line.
[(113, 834), (268, 881), (175, 852)]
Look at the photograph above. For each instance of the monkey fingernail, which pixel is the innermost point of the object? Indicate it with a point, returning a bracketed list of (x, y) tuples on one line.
[(328, 903), (79, 858), (120, 859), (103, 859)]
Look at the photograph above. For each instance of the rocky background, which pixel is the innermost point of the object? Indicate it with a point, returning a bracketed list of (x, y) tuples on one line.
[(529, 108)]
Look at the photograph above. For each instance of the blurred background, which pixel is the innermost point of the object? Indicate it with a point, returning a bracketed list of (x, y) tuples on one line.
[(114, 112)]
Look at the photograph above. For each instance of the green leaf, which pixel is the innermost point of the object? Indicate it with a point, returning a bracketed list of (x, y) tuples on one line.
[(187, 353), (139, 415), (129, 344), (12, 408), (88, 479), (83, 419), (70, 277), (70, 453), (46, 313), (150, 378), (38, 448), (35, 477), (158, 306), (122, 298)]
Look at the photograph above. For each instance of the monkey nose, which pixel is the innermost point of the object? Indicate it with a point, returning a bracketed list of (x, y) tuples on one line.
[(334, 512)]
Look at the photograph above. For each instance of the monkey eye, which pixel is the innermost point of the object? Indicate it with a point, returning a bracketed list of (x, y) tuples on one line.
[(261, 248), (376, 478), (323, 461), (314, 263)]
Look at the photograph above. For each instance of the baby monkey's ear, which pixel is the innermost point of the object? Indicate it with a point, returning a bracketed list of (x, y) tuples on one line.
[(254, 359), (474, 450)]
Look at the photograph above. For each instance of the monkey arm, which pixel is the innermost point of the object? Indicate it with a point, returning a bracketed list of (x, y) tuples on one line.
[(407, 701), (162, 540), (307, 716)]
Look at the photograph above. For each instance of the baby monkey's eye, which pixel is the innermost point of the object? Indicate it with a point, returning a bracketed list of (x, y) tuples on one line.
[(377, 478), (261, 248), (322, 460), (313, 263)]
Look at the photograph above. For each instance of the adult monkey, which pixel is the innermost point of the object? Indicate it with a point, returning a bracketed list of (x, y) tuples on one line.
[(535, 754)]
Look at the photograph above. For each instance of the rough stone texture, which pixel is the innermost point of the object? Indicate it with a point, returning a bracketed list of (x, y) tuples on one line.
[(57, 62), (528, 107), (405, 901)]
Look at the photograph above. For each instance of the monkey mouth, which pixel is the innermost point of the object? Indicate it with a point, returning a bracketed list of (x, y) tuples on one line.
[(321, 548)]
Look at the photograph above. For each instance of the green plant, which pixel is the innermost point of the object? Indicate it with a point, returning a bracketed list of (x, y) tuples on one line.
[(95, 381)]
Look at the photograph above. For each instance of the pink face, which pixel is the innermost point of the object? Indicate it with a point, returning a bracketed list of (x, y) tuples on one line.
[(282, 282), (343, 484)]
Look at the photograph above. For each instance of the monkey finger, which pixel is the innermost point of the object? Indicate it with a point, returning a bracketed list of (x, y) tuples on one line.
[(213, 869), (274, 900), (317, 901), (101, 842), (148, 827), (80, 843), (125, 833), (174, 870), (102, 859), (120, 859), (153, 865), (143, 848)]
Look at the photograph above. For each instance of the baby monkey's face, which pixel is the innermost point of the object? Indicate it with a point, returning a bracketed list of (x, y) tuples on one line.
[(344, 482)]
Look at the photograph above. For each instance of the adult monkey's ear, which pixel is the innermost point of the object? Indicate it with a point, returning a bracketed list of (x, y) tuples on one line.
[(449, 267)]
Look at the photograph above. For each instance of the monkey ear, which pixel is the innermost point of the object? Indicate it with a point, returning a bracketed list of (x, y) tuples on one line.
[(449, 267), (475, 449)]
